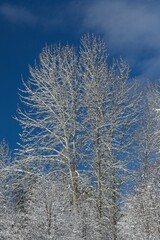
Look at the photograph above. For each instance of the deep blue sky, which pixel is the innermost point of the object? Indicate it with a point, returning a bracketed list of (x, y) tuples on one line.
[(131, 29)]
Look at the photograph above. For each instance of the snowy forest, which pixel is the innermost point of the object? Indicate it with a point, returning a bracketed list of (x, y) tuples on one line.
[(87, 166)]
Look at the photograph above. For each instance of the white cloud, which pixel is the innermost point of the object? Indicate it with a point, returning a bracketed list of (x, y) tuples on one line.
[(20, 15), (131, 29), (17, 14)]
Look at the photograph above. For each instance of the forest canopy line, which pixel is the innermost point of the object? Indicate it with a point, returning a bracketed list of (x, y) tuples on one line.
[(87, 166)]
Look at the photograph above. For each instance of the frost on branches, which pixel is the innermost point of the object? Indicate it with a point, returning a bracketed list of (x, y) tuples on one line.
[(89, 147)]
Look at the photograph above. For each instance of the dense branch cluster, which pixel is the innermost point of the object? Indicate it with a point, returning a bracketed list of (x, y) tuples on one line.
[(87, 166)]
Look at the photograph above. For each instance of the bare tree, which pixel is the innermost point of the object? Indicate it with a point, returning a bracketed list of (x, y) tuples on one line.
[(111, 116), (49, 123), (80, 115), (141, 214)]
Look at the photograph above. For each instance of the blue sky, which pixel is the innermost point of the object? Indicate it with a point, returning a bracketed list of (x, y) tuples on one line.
[(131, 29)]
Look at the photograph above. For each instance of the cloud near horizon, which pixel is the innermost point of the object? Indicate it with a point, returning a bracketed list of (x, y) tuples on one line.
[(131, 29)]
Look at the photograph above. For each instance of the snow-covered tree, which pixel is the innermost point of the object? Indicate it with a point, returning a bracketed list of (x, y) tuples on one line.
[(51, 214), (6, 213), (50, 122), (111, 104), (78, 119), (141, 216)]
